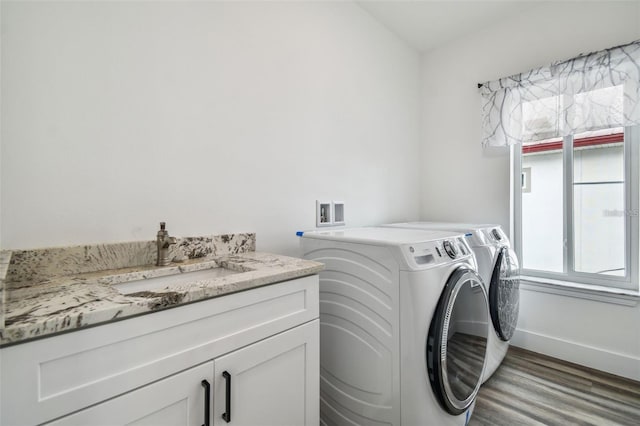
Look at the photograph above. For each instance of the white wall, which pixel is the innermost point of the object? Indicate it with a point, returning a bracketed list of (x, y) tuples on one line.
[(214, 117), (461, 181)]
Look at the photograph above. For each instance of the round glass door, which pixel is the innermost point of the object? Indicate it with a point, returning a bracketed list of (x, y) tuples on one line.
[(457, 341), (504, 294)]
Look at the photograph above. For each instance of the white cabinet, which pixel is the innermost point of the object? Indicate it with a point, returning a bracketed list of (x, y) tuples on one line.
[(176, 400), (273, 382), (149, 369)]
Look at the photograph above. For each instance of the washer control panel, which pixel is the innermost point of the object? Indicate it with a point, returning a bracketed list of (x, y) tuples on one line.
[(436, 252)]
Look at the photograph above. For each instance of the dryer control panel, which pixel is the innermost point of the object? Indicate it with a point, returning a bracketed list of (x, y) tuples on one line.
[(496, 235)]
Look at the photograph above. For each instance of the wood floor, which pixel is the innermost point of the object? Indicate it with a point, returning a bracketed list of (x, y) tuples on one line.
[(465, 355), (533, 389)]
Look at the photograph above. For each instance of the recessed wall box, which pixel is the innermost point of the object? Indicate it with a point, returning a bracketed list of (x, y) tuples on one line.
[(323, 213), (338, 212)]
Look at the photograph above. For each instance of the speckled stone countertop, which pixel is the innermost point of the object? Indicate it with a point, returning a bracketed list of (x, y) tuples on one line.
[(48, 291)]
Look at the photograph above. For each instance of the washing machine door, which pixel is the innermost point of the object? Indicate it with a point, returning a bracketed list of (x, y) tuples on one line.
[(504, 293), (457, 341)]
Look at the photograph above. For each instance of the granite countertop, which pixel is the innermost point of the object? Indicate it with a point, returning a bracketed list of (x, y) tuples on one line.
[(40, 302)]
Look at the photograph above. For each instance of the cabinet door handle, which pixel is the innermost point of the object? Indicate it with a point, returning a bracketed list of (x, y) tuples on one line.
[(226, 416), (207, 398)]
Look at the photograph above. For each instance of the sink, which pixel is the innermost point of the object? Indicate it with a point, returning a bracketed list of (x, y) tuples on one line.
[(166, 282)]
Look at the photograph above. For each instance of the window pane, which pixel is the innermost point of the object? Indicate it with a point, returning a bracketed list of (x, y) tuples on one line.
[(542, 224), (599, 204)]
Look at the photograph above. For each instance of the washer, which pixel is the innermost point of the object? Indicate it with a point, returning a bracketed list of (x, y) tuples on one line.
[(499, 269), (393, 304)]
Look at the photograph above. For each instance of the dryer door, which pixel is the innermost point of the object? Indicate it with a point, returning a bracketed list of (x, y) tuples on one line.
[(457, 341), (504, 293)]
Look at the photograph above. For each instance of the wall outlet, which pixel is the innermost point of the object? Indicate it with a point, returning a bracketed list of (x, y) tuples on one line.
[(338, 212), (323, 213)]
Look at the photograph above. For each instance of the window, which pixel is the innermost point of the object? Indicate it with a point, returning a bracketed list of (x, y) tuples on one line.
[(576, 211), (574, 130)]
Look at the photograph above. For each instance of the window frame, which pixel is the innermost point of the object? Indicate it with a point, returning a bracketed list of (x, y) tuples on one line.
[(570, 277)]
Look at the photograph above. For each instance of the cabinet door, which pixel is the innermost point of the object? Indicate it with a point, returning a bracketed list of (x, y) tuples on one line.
[(272, 382), (176, 400)]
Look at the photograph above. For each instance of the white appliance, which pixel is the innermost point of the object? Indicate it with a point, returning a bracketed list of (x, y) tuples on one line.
[(393, 303), (499, 269)]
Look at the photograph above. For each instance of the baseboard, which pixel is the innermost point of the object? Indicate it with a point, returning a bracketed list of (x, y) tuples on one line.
[(589, 356)]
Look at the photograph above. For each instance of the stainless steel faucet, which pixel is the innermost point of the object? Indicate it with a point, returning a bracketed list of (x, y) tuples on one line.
[(163, 242)]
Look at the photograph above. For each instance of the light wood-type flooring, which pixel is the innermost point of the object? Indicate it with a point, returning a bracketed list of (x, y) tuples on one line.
[(533, 389)]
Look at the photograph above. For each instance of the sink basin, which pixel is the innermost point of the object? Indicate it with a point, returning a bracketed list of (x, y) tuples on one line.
[(166, 282)]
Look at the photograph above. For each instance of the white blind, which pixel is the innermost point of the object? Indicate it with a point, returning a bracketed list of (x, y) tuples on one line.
[(590, 92)]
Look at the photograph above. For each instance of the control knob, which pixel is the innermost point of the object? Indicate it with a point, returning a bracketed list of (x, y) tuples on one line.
[(450, 248)]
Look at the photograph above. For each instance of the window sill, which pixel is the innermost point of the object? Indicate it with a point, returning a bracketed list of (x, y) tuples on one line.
[(616, 296)]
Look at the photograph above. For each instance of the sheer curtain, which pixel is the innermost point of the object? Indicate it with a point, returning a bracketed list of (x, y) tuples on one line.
[(594, 91)]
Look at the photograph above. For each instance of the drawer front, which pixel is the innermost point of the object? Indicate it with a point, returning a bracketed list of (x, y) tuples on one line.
[(48, 378)]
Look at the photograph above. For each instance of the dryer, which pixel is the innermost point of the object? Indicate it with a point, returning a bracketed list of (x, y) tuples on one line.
[(394, 304), (498, 266)]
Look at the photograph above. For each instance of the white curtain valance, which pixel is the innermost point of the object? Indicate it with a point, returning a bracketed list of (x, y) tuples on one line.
[(594, 91)]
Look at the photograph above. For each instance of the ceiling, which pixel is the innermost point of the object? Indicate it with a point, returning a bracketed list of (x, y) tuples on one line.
[(426, 24)]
